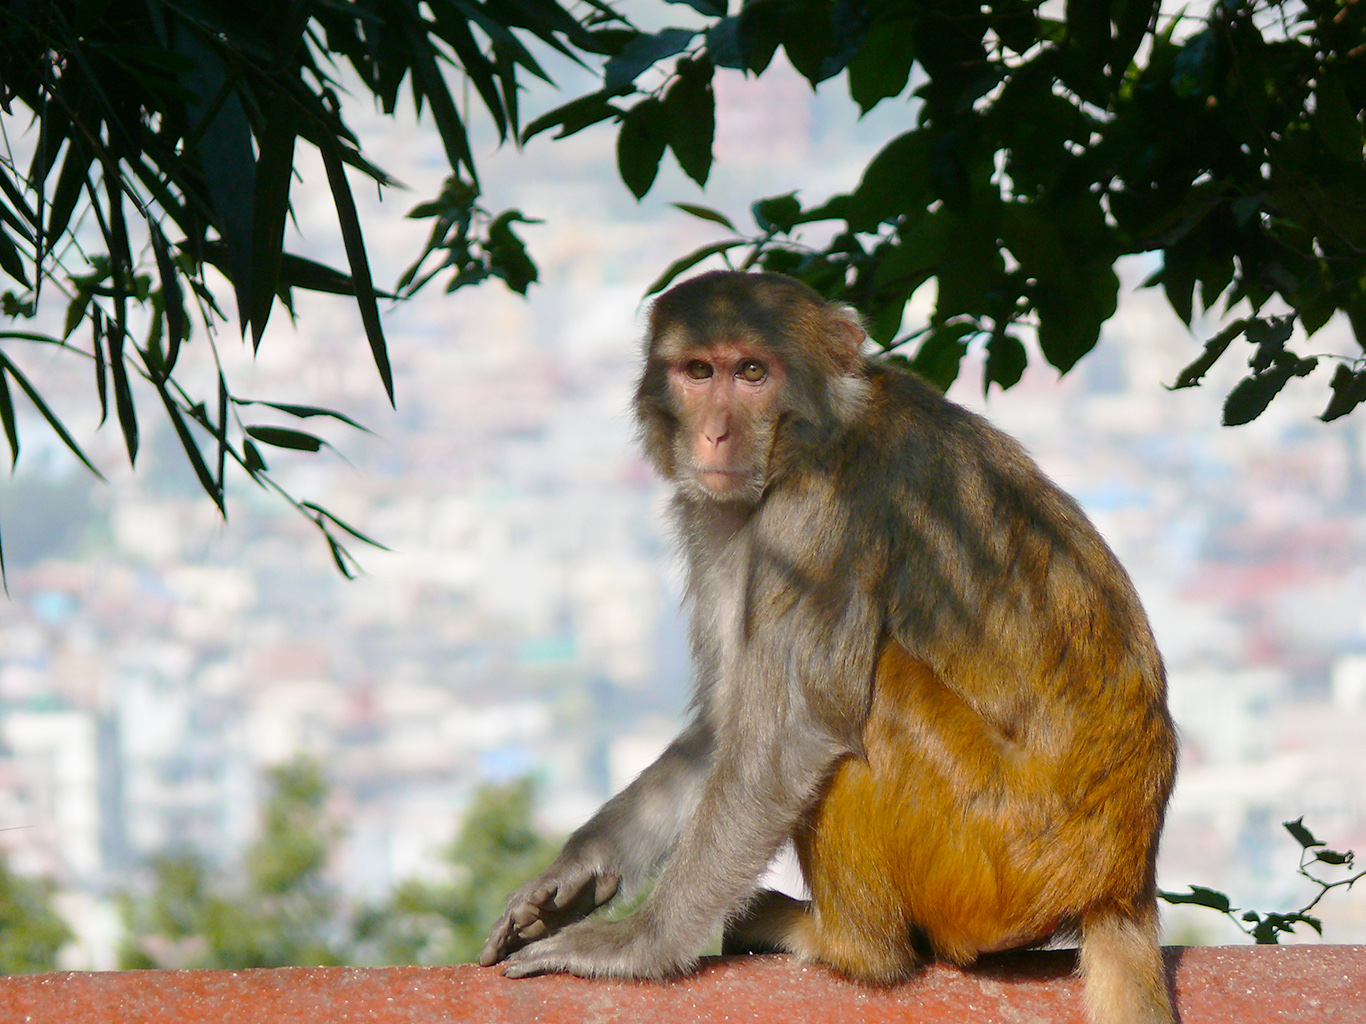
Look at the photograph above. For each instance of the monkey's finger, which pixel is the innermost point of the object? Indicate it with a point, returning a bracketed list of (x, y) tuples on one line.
[(522, 915), (494, 950), (569, 889), (607, 886), (502, 941), (533, 931)]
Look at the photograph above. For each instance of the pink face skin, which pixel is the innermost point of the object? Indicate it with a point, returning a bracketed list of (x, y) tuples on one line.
[(724, 391)]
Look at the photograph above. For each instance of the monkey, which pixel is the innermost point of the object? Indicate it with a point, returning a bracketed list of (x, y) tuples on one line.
[(914, 657)]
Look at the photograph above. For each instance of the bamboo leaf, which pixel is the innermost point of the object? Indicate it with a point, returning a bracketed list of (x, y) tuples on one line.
[(360, 266), (7, 419), (177, 323), (7, 365), (187, 442), (283, 437), (345, 526), (274, 174), (303, 412), (123, 395)]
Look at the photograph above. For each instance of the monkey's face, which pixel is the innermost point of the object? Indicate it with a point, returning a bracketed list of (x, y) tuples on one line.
[(727, 398)]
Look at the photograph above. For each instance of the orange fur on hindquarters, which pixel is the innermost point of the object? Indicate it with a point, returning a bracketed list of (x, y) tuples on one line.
[(950, 828)]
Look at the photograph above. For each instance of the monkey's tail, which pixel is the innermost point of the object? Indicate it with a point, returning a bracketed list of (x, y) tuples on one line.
[(1122, 971)]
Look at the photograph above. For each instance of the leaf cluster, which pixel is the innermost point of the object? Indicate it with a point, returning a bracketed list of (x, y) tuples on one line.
[(165, 140), (1267, 927), (1043, 149)]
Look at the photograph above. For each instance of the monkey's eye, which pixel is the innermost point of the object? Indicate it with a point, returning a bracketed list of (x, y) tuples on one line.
[(753, 371), (697, 369)]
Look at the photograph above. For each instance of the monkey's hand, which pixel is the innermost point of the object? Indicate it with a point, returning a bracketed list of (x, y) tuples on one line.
[(629, 948), (546, 904)]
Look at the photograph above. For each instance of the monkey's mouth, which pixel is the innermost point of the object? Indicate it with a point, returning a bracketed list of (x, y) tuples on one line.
[(720, 481)]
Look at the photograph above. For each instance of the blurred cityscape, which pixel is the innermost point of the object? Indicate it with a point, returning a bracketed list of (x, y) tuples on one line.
[(154, 661)]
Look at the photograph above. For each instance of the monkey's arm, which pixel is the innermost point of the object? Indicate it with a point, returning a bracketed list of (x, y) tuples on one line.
[(623, 842), (777, 742)]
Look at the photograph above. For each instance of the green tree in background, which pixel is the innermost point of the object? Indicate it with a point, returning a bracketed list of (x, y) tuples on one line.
[(285, 915), (31, 931), (446, 922), (1040, 147)]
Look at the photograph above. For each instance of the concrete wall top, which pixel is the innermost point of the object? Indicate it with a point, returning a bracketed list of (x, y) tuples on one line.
[(1227, 985)]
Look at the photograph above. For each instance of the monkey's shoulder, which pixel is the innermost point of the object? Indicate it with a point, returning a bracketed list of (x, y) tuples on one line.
[(908, 427)]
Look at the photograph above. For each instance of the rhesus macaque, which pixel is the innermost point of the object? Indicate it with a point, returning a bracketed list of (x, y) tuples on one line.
[(914, 657)]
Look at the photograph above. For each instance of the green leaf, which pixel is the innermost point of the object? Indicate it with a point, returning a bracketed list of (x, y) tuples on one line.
[(1348, 392), (711, 8), (1334, 857), (123, 395), (302, 412), (7, 419), (1251, 395), (11, 261), (7, 365), (575, 116), (507, 254), (1214, 348), (882, 66), (252, 458), (643, 53), (1006, 362), (724, 45), (187, 443), (941, 353), (274, 174), (1302, 835), (705, 213), (283, 437), (687, 262), (777, 213), (101, 374), (690, 117), (640, 145), (427, 81), (177, 323), (1201, 897), (360, 265), (345, 526), (893, 183), (70, 181), (224, 150)]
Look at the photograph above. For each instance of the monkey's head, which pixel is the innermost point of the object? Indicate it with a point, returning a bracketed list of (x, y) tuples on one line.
[(741, 371)]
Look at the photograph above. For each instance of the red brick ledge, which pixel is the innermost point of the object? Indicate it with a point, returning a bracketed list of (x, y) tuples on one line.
[(1256, 984)]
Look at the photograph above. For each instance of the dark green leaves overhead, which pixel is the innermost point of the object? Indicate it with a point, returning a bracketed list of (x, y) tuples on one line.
[(1036, 152), (168, 131)]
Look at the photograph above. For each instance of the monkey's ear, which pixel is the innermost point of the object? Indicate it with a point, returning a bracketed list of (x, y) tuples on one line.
[(846, 337)]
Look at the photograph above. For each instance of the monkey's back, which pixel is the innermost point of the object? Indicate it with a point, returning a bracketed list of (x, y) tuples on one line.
[(1018, 750)]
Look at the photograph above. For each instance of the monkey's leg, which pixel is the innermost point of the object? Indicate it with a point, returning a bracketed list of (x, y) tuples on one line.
[(765, 926), (1122, 970), (909, 851)]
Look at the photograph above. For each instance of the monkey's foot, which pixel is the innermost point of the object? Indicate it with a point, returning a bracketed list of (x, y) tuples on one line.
[(546, 905), (600, 949)]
